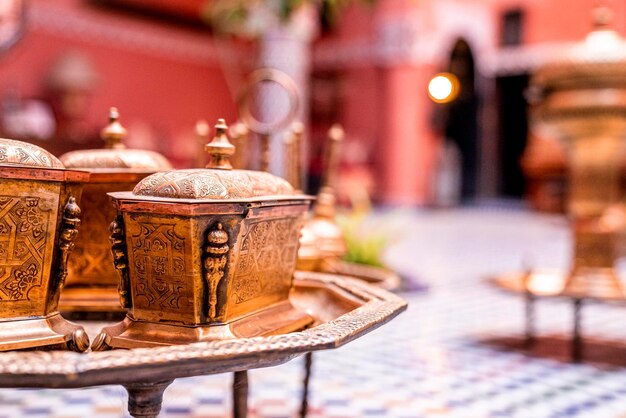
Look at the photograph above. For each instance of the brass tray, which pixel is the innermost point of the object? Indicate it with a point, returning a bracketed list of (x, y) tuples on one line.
[(344, 309), (552, 284)]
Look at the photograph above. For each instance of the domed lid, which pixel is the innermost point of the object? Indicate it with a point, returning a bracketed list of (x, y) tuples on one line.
[(23, 154), (115, 155), (217, 181), (598, 61)]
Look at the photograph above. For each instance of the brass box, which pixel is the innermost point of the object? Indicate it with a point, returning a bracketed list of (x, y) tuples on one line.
[(39, 218), (92, 280), (205, 254)]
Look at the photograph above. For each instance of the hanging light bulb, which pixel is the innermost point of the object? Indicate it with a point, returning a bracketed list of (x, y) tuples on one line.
[(443, 88)]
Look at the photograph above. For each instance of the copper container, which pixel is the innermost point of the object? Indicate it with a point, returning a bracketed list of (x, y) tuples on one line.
[(322, 243), (580, 97), (92, 279), (39, 219), (206, 254)]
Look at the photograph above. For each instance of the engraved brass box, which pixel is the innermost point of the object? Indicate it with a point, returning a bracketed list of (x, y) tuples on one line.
[(92, 279), (206, 254), (39, 220)]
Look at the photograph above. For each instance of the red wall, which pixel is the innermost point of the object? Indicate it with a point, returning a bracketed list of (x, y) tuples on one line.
[(165, 93)]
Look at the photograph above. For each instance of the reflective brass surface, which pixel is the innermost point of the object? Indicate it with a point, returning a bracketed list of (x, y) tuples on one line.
[(580, 98), (206, 254), (322, 244), (343, 309), (321, 237), (39, 220), (92, 279)]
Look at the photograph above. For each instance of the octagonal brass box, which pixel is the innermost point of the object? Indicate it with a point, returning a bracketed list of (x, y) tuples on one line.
[(39, 219), (206, 254)]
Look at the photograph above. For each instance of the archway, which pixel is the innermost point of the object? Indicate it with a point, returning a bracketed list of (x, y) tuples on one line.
[(462, 117)]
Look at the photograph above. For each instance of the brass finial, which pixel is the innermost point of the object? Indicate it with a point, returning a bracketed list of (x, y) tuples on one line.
[(326, 199), (220, 149), (335, 136), (114, 132), (292, 151), (602, 17)]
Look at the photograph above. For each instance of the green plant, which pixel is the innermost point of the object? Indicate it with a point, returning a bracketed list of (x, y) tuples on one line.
[(365, 244)]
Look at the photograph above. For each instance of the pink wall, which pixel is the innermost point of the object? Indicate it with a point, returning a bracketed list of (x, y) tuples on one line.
[(164, 91)]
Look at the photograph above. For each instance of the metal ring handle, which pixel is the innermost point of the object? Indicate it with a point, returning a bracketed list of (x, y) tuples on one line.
[(283, 80)]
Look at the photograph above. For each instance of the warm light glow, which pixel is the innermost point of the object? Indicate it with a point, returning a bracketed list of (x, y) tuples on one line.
[(443, 88)]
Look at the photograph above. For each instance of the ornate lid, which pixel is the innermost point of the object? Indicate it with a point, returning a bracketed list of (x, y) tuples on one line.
[(217, 181), (596, 62), (23, 154), (115, 155)]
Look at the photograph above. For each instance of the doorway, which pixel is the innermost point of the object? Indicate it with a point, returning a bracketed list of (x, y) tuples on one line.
[(462, 117)]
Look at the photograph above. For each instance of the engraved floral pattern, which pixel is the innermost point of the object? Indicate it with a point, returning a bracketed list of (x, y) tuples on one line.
[(24, 281)]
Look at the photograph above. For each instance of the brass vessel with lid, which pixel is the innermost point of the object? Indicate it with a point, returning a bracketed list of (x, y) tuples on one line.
[(206, 254), (39, 220), (322, 243), (92, 279), (580, 98)]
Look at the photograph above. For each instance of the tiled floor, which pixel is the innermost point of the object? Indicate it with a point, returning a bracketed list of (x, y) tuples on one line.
[(433, 360)]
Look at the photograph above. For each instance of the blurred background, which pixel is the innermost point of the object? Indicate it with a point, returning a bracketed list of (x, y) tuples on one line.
[(364, 64)]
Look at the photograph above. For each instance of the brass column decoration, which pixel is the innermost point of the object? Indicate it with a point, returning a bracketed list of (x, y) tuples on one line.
[(120, 261), (215, 257), (69, 231)]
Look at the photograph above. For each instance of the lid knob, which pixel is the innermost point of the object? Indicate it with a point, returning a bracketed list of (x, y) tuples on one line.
[(220, 149), (114, 132)]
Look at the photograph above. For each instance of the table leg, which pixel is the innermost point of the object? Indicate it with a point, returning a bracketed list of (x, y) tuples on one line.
[(577, 343), (308, 364), (240, 394), (530, 319), (144, 399)]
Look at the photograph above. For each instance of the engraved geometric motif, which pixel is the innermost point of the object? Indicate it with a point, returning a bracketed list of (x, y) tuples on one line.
[(23, 226), (266, 258), (158, 256), (212, 184), (24, 154)]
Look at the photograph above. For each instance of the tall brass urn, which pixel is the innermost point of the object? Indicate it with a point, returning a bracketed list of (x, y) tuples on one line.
[(39, 221), (580, 97)]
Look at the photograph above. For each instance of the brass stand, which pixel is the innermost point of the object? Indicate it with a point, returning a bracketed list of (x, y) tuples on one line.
[(145, 399), (240, 394)]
